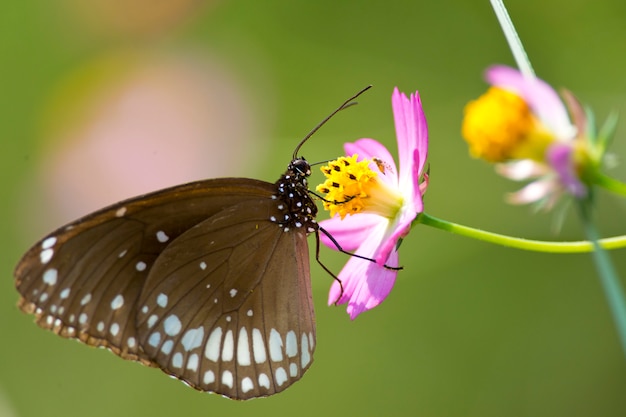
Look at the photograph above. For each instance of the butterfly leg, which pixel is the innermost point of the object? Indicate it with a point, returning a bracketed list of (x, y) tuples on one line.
[(340, 249), (317, 258)]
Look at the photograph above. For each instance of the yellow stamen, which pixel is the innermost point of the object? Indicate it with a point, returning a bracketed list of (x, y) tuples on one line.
[(352, 187), (500, 126)]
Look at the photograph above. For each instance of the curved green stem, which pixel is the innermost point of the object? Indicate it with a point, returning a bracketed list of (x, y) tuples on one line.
[(610, 184), (519, 243)]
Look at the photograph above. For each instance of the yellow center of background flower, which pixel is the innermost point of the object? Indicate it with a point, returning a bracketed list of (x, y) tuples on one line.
[(500, 126), (352, 187)]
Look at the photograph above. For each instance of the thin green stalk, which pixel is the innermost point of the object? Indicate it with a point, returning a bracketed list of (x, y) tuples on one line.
[(610, 184), (519, 53), (519, 243), (608, 275)]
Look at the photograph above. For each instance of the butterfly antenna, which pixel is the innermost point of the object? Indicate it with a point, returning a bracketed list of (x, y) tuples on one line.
[(349, 102)]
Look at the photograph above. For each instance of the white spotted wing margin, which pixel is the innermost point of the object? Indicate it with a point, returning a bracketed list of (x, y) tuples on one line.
[(241, 324), (84, 281)]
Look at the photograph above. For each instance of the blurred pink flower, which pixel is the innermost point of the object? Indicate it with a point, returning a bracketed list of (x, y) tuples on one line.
[(132, 122), (522, 124)]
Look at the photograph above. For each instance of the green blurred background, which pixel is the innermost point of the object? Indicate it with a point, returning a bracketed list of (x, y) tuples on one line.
[(146, 94)]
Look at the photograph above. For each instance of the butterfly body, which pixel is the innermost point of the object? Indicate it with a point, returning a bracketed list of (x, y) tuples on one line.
[(208, 281)]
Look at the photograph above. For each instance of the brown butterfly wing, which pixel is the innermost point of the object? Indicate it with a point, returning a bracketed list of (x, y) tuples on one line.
[(241, 322)]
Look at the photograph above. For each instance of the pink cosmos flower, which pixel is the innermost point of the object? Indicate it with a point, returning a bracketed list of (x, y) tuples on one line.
[(381, 211)]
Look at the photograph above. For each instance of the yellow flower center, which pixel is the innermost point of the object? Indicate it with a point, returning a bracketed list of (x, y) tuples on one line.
[(352, 187), (500, 126)]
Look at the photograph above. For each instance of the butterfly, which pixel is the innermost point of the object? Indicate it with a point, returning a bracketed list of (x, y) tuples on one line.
[(208, 281)]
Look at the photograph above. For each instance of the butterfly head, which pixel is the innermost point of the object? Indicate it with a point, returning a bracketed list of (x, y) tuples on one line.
[(292, 193), (300, 169)]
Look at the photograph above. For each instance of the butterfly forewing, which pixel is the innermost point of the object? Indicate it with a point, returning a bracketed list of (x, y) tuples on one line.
[(95, 280), (232, 326)]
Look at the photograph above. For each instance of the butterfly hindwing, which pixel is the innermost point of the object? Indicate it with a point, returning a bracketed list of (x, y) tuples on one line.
[(241, 323)]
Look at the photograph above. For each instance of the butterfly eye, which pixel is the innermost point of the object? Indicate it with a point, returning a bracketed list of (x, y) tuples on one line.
[(301, 166)]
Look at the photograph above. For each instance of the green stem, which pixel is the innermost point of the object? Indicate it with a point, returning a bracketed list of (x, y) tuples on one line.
[(519, 243), (610, 184), (608, 276)]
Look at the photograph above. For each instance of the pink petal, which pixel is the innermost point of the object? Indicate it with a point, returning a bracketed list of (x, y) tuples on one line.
[(399, 229), (560, 158), (533, 192), (539, 95), (411, 133), (366, 285), (350, 232), (418, 189), (521, 170)]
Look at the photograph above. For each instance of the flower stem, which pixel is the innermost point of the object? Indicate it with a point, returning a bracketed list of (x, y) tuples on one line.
[(519, 243), (610, 184), (519, 53), (608, 276)]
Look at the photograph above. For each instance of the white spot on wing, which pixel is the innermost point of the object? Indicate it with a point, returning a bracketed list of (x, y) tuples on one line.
[(192, 362), (233, 292), (117, 302), (162, 237), (264, 381), (243, 348), (82, 319), (177, 360), (46, 255), (212, 348), (131, 342), (50, 276), (293, 370), (152, 320), (167, 347), (100, 326), (115, 329), (203, 265), (86, 299), (154, 339), (276, 346), (258, 346), (65, 293), (306, 355), (228, 349), (291, 344), (193, 338), (48, 243), (162, 300), (281, 376), (120, 212), (208, 378), (172, 325), (140, 266), (246, 385), (227, 379)]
